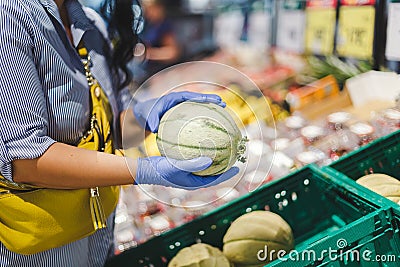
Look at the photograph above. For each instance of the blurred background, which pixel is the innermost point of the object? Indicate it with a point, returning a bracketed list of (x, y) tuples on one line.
[(323, 82)]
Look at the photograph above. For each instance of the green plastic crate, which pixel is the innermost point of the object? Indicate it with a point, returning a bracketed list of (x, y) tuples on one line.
[(373, 241), (380, 156), (316, 205)]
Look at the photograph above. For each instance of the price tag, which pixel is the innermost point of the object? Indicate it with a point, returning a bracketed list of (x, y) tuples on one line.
[(393, 32), (294, 4), (356, 31), (321, 3), (357, 2), (320, 30), (291, 25)]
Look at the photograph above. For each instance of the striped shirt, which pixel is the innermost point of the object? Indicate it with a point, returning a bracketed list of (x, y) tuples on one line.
[(44, 98)]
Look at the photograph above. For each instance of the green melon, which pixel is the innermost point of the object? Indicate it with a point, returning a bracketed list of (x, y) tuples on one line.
[(383, 185), (251, 232), (191, 130), (199, 255)]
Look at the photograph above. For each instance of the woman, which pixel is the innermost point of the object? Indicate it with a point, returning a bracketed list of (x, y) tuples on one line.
[(158, 35), (45, 112), (161, 45)]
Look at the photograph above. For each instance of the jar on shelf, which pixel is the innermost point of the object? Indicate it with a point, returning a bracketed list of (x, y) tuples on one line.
[(337, 120), (387, 121), (392, 118), (282, 165), (293, 124), (340, 143), (254, 179), (158, 223), (280, 144), (364, 131), (309, 157), (312, 134)]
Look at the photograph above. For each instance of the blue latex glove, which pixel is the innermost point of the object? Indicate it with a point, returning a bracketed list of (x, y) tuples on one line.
[(178, 173), (149, 113)]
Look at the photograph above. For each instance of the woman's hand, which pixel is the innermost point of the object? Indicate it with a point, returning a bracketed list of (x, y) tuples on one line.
[(149, 113), (178, 173)]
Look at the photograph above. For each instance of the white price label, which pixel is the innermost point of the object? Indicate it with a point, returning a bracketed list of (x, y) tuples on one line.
[(291, 26), (393, 32)]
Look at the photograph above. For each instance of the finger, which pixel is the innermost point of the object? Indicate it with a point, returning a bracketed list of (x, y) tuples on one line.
[(217, 179), (207, 98), (199, 97), (192, 165), (197, 182), (201, 182), (153, 123), (150, 114)]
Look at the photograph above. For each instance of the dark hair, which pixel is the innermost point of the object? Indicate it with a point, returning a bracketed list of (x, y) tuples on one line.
[(121, 26)]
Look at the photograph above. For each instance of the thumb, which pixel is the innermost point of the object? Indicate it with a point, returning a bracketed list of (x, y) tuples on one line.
[(217, 179), (152, 124), (192, 165)]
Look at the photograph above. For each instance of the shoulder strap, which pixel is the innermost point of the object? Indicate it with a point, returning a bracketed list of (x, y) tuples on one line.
[(4, 183)]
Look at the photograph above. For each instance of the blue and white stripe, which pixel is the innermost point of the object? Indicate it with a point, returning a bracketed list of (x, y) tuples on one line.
[(44, 98)]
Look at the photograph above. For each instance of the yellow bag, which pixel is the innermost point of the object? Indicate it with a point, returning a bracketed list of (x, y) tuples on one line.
[(36, 219)]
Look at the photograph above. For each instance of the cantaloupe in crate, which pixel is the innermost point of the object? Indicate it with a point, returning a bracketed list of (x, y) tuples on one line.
[(316, 205)]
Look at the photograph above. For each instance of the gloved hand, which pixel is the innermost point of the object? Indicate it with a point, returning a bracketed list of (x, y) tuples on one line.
[(178, 173), (149, 113)]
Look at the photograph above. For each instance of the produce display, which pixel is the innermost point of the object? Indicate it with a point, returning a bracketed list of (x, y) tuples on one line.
[(317, 68), (147, 212), (288, 141), (293, 143), (192, 130), (382, 184), (245, 237), (250, 108), (284, 110), (199, 255), (251, 232)]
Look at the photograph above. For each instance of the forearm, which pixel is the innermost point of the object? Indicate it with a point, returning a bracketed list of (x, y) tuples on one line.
[(64, 166), (168, 52)]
